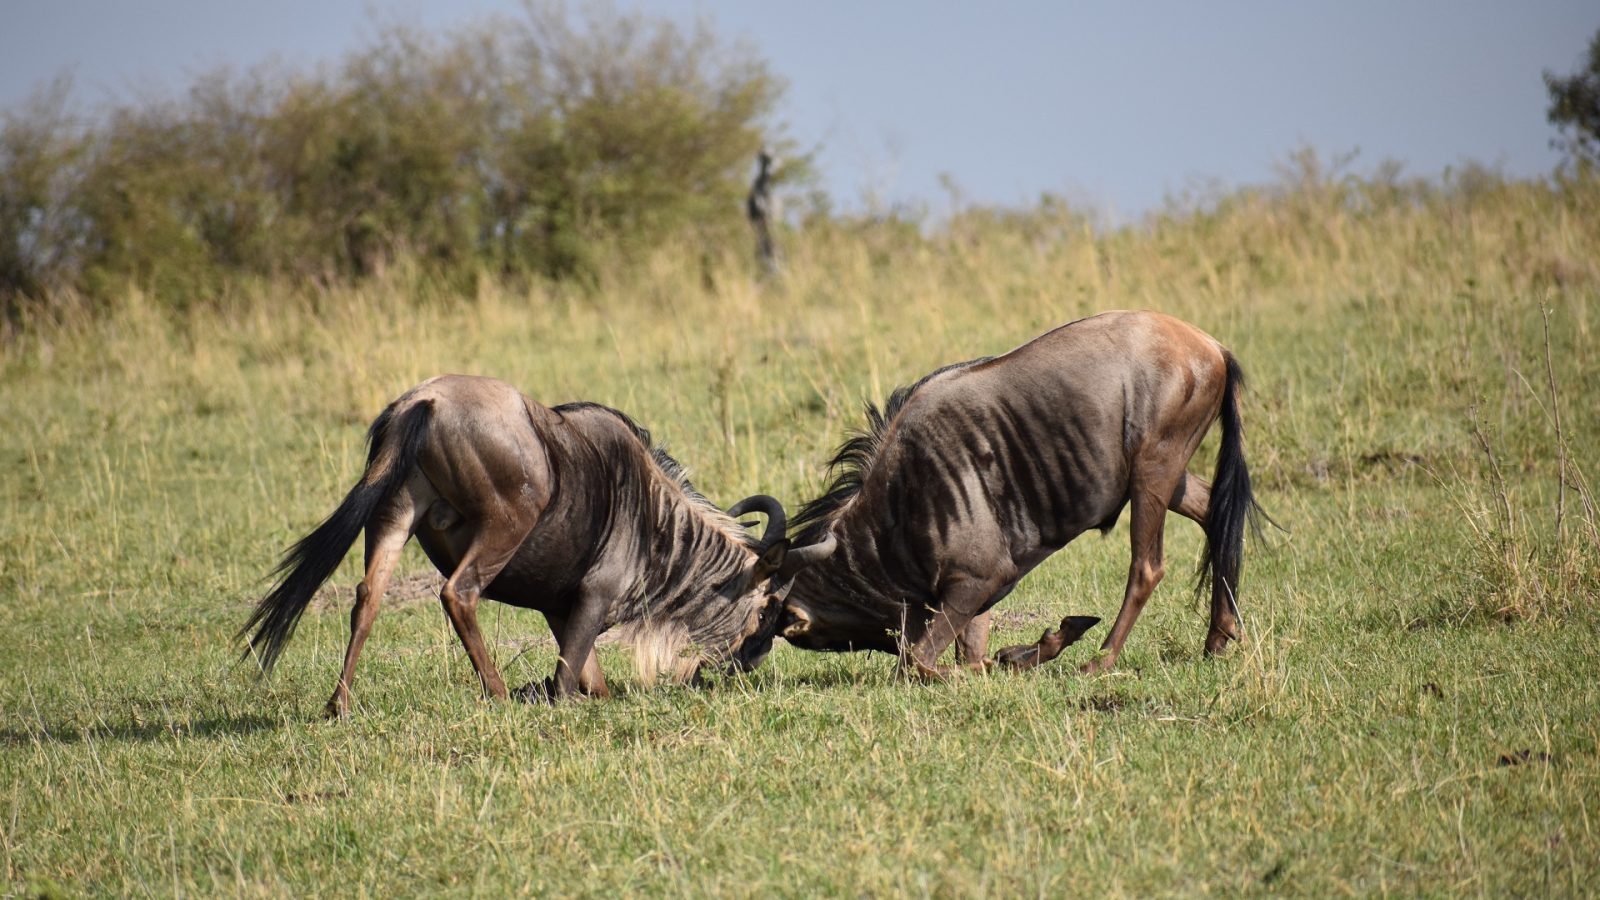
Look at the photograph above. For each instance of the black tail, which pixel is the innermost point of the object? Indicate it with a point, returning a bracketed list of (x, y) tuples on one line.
[(1233, 506), (393, 443)]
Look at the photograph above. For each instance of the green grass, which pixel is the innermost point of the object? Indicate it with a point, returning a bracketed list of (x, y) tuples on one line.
[(1414, 709)]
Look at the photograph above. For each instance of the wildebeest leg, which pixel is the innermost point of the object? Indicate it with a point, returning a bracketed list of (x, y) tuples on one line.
[(1149, 513), (1049, 645), (959, 602), (483, 560), (386, 536), (591, 680), (972, 644), (576, 640), (1193, 500)]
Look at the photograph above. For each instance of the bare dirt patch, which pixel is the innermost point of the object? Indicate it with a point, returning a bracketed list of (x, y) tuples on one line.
[(407, 590)]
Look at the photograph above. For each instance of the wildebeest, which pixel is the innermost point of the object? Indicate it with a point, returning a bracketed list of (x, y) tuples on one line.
[(567, 510), (975, 474)]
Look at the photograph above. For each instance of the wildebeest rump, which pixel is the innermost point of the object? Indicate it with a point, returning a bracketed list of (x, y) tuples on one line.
[(569, 511), (977, 473)]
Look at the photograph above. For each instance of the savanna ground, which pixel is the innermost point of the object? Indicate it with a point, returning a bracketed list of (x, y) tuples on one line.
[(1413, 710)]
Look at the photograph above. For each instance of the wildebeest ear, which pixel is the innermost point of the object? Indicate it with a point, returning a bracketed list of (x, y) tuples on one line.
[(794, 622), (770, 560)]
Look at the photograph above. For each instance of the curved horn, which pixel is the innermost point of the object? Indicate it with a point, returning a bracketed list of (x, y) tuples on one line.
[(777, 522), (798, 559)]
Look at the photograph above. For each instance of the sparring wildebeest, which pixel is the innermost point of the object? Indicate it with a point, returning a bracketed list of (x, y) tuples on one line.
[(569, 511), (978, 472)]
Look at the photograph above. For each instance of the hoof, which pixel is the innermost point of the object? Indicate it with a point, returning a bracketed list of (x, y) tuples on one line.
[(916, 671), (1073, 627), (539, 691), (1217, 643), (1097, 666), (543, 692)]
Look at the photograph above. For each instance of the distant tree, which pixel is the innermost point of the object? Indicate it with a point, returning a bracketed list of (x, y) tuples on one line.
[(542, 145), (1575, 107), (40, 150)]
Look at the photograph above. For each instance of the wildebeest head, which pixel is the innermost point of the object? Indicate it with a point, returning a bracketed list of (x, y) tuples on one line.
[(831, 623), (762, 588)]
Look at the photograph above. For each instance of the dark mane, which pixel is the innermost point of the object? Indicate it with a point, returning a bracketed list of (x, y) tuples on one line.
[(669, 466), (854, 459)]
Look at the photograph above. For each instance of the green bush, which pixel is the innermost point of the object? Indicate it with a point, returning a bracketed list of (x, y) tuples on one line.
[(517, 146)]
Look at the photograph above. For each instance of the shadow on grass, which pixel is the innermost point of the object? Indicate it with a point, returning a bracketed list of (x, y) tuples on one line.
[(869, 673), (722, 685), (141, 732)]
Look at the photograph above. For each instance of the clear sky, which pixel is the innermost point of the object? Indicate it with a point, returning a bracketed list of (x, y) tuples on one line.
[(1113, 104)]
